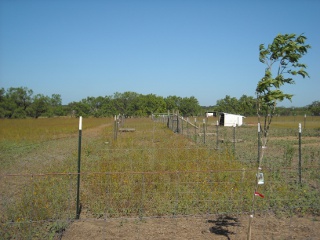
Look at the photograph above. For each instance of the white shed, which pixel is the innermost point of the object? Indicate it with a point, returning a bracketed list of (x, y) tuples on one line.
[(229, 120), (211, 114)]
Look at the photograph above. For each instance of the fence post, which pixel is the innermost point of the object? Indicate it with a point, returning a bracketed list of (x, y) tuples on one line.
[(234, 140), (195, 130), (178, 130), (259, 140), (206, 122), (115, 126), (300, 153), (79, 158), (172, 121), (204, 131), (187, 126), (217, 134), (182, 125)]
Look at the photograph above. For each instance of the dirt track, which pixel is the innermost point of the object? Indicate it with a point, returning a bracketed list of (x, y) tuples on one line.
[(207, 227)]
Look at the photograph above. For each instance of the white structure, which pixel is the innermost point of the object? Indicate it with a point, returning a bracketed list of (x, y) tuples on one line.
[(211, 114), (230, 120)]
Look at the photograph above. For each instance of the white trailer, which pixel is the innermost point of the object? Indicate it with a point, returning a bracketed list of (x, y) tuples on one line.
[(229, 120)]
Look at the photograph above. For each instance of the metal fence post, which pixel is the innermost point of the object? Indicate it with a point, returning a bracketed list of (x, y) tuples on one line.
[(217, 135), (195, 129), (204, 131), (259, 140), (79, 158), (234, 140), (116, 127), (299, 153)]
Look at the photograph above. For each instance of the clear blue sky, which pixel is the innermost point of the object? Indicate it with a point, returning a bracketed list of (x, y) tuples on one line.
[(201, 48)]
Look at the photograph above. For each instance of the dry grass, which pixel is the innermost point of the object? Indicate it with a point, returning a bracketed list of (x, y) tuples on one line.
[(149, 172)]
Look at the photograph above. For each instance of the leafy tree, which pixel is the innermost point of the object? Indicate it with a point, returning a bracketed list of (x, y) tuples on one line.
[(228, 105), (314, 108), (21, 96), (2, 103), (173, 102), (15, 101), (79, 109), (123, 102), (108, 109), (282, 60), (246, 105), (19, 113), (55, 107), (189, 106), (39, 106), (153, 104)]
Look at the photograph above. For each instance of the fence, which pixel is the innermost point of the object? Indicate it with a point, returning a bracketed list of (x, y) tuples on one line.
[(152, 176)]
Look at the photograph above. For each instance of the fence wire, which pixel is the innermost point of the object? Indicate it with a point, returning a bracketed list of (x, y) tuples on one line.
[(127, 187)]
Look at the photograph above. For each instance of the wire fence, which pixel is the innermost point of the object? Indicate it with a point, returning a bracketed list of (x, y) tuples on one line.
[(203, 184)]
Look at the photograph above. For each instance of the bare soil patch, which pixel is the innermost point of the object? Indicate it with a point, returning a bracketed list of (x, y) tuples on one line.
[(265, 226)]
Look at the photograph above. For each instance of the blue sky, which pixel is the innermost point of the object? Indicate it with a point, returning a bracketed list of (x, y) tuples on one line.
[(201, 48)]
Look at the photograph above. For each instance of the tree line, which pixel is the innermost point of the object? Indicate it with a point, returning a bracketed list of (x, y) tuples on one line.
[(20, 102), (134, 104), (246, 106)]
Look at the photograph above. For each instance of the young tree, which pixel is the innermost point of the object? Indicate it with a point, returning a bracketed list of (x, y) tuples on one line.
[(282, 60)]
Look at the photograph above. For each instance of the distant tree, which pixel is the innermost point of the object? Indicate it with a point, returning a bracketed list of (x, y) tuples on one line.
[(79, 109), (246, 105), (314, 108), (91, 106), (15, 101), (282, 111), (173, 103), (2, 103), (189, 106), (22, 96), (40, 105), (153, 104), (55, 107), (228, 105), (108, 109), (123, 102), (18, 113)]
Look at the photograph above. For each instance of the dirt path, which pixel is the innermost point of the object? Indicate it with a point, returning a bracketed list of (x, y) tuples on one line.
[(207, 227)]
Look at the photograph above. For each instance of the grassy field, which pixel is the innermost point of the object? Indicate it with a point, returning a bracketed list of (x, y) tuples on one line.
[(149, 172)]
